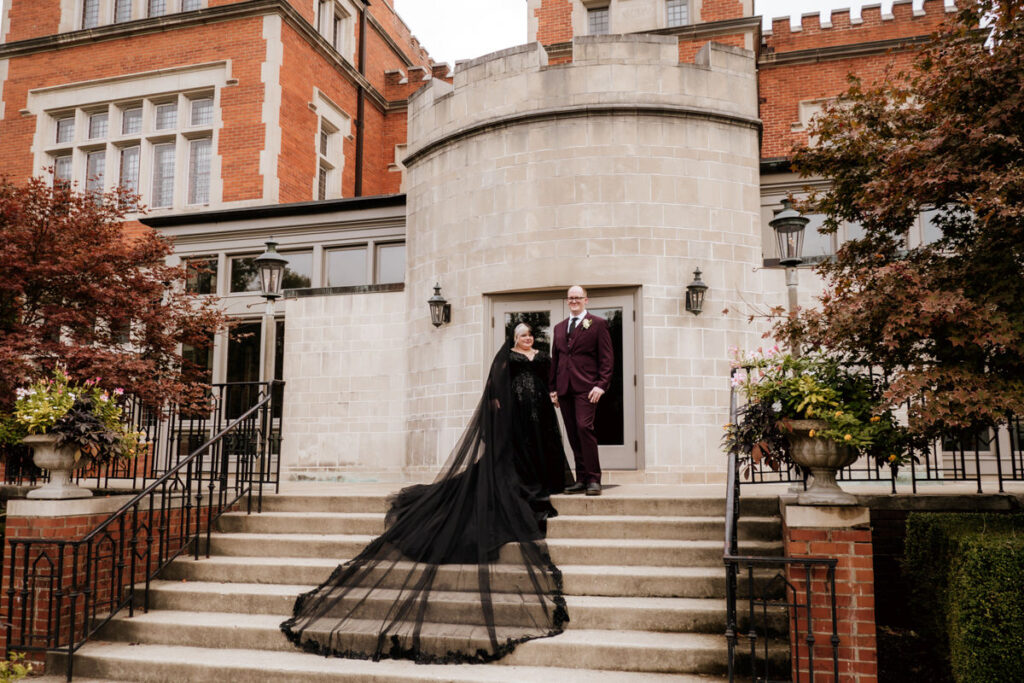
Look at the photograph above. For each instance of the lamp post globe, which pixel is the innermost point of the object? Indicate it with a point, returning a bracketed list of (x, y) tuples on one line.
[(271, 271), (789, 226)]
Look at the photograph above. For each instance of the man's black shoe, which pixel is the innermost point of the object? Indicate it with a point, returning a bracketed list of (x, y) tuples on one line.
[(593, 489), (578, 487)]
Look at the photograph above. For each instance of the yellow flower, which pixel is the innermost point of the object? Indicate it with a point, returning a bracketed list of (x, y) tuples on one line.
[(811, 433), (726, 427), (839, 413), (848, 437), (875, 418), (892, 457)]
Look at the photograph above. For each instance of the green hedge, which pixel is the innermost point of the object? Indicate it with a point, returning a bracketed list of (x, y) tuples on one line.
[(967, 576)]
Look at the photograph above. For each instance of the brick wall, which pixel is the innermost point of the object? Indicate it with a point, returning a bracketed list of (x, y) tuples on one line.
[(783, 86), (718, 10), (688, 49), (240, 41), (852, 547), (119, 561), (872, 26), (554, 21)]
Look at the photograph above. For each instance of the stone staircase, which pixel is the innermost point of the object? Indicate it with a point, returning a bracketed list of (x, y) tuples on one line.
[(643, 576)]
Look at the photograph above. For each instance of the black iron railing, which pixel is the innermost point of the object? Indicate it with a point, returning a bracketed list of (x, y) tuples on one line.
[(988, 456), (61, 592), (170, 433), (992, 454), (769, 590)]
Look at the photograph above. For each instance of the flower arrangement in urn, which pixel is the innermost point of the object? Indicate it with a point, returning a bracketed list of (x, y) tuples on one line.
[(69, 425), (813, 411)]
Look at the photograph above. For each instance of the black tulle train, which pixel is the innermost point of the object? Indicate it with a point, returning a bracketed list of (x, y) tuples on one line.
[(461, 572)]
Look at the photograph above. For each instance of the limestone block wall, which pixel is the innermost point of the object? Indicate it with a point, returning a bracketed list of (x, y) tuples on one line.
[(622, 169), (344, 367)]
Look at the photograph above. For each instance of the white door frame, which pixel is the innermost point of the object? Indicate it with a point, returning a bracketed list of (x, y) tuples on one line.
[(632, 350)]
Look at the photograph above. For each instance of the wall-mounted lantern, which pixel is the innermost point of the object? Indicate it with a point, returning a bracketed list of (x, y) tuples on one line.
[(695, 292), (440, 309)]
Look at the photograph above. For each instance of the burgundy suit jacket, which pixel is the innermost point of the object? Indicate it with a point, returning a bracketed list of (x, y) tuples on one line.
[(583, 362)]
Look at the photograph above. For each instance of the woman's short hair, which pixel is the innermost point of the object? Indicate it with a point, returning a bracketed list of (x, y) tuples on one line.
[(520, 328)]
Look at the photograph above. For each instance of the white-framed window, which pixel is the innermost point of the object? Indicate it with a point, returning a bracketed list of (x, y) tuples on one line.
[(327, 148), (334, 22), (93, 13), (677, 12), (199, 154), (128, 174), (598, 21), (98, 125), (162, 195), (122, 10), (90, 13), (95, 170), (160, 147), (65, 129), (62, 169)]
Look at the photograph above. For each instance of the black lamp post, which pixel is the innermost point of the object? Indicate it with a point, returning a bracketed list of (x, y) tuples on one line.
[(271, 271), (789, 226), (440, 309), (695, 292)]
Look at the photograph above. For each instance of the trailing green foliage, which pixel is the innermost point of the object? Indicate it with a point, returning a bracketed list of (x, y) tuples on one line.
[(967, 577), (780, 387), (14, 668), (84, 415)]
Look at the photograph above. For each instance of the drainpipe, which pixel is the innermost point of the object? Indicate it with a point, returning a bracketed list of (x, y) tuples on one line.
[(361, 100)]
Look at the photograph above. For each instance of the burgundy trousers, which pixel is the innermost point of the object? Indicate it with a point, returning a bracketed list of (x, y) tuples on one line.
[(578, 413)]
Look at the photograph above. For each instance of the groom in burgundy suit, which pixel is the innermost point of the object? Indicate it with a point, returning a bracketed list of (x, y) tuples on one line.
[(581, 369)]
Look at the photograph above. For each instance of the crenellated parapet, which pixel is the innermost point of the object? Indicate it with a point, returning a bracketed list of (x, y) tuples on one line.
[(606, 72), (842, 27)]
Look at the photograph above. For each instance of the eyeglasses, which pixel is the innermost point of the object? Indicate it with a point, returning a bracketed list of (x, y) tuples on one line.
[(575, 298)]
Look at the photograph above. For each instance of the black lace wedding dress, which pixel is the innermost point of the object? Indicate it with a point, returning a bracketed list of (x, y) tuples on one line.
[(461, 572)]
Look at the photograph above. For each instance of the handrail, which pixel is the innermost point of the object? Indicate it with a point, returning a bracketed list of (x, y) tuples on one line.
[(177, 468), (62, 592)]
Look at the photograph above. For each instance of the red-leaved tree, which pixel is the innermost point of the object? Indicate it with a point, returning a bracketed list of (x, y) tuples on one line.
[(945, 319), (76, 289)]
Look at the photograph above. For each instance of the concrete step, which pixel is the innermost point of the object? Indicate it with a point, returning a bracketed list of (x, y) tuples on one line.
[(564, 526), (698, 615), (617, 650), (658, 552), (596, 580), (607, 504), (173, 664)]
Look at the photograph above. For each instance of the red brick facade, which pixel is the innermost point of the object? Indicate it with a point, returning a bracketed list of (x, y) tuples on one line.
[(855, 602), (28, 610), (214, 35)]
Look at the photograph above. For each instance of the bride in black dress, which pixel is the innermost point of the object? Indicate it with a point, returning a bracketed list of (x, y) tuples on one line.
[(461, 572)]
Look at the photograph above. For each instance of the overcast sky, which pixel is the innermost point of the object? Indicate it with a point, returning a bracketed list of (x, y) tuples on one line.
[(463, 29)]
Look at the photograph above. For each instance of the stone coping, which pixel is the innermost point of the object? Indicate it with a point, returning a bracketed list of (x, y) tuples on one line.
[(73, 507), (826, 516)]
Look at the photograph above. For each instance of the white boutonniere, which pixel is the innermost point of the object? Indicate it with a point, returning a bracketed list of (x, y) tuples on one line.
[(586, 323)]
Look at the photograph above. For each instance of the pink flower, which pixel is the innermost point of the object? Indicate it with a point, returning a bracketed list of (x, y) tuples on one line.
[(118, 391)]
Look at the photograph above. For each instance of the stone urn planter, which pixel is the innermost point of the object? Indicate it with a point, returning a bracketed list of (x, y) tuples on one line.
[(823, 458), (60, 462)]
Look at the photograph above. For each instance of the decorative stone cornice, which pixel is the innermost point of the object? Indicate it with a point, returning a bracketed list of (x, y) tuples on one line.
[(711, 29), (249, 213), (209, 15), (767, 60), (577, 111)]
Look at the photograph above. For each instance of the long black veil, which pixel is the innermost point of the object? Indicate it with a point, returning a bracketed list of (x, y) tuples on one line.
[(461, 572)]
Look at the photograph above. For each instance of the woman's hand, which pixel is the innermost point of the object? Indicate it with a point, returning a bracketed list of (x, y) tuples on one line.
[(554, 398)]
